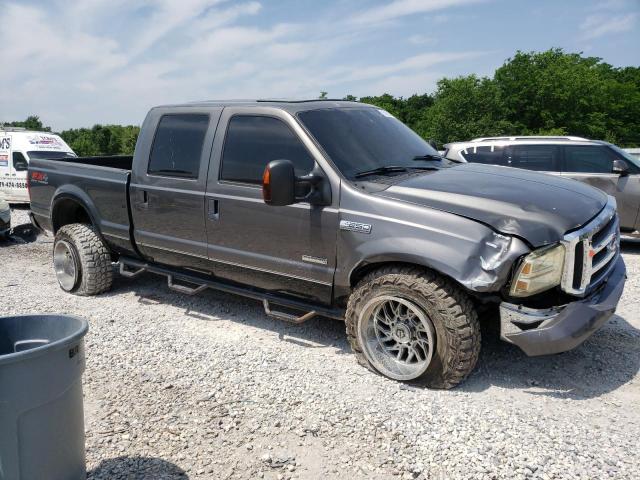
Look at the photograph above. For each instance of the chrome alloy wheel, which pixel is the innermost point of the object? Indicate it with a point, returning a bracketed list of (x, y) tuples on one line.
[(397, 337), (66, 265)]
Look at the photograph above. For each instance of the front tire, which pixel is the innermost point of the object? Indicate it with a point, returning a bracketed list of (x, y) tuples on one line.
[(411, 324), (81, 260)]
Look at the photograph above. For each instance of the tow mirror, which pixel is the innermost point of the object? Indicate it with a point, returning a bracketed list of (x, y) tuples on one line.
[(20, 165), (620, 167), (279, 183)]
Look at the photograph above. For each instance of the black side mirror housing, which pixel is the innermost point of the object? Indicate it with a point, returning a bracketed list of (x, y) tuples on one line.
[(281, 187), (620, 167), (20, 166), (279, 183)]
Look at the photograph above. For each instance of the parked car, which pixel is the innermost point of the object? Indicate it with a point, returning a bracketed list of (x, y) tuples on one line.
[(340, 210), (5, 217), (599, 164), (17, 147)]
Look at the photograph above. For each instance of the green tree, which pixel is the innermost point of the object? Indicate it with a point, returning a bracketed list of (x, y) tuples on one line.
[(32, 122)]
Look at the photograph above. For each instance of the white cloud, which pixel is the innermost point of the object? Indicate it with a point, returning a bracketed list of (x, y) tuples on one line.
[(599, 25), (401, 8), (80, 62)]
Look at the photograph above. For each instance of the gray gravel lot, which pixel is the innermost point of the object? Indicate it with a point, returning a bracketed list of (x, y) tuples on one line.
[(209, 387)]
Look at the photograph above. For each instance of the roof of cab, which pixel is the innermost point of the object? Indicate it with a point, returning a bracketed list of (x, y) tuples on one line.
[(291, 106)]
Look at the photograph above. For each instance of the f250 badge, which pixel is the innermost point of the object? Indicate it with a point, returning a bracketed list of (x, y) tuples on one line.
[(355, 226)]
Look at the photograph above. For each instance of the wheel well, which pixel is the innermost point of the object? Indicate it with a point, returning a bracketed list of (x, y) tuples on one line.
[(362, 271), (67, 211)]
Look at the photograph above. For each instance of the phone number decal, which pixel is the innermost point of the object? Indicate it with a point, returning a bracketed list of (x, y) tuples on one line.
[(12, 184)]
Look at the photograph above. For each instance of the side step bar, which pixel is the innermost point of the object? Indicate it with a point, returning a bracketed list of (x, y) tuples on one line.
[(131, 268)]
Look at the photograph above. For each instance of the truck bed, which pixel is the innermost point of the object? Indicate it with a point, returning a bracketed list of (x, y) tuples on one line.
[(122, 162), (99, 183)]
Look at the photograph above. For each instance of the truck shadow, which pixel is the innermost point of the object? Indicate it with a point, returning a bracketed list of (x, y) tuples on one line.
[(605, 362), (212, 305), (138, 468)]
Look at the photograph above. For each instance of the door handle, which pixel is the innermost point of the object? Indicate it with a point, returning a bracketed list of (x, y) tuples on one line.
[(145, 199), (213, 211)]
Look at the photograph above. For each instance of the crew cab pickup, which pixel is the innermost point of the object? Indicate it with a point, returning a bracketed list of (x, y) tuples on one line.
[(338, 209)]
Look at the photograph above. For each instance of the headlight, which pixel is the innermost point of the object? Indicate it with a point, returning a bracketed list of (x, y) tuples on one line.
[(539, 271)]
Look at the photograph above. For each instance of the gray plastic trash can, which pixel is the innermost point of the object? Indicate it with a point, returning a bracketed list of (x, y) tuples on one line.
[(41, 408)]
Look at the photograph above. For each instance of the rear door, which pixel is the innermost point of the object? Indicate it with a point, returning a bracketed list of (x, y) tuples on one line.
[(5, 162), (168, 185), (593, 164), (290, 249)]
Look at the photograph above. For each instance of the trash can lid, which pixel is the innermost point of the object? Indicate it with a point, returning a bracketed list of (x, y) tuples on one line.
[(28, 336)]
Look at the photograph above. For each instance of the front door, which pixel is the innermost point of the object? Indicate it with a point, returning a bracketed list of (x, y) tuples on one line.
[(291, 249), (593, 164), (167, 189)]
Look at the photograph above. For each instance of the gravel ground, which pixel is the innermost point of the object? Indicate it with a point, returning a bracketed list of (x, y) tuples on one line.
[(210, 387)]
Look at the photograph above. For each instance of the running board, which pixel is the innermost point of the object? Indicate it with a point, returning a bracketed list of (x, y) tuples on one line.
[(287, 317), (183, 288), (131, 268)]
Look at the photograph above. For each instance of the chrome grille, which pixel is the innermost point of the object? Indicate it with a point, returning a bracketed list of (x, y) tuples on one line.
[(591, 251)]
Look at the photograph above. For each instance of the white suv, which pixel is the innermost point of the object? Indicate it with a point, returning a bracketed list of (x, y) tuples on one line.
[(597, 163)]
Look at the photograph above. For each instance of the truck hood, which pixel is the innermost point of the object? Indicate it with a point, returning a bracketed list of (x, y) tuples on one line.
[(539, 208)]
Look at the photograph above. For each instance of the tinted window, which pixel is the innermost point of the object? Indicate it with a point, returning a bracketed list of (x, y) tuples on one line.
[(33, 155), (587, 159), (360, 139), (253, 141), (19, 162), (177, 146), (492, 155), (534, 157)]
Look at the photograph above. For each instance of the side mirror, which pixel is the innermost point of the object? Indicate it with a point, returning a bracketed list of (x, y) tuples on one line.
[(20, 165), (279, 183), (433, 143), (620, 167)]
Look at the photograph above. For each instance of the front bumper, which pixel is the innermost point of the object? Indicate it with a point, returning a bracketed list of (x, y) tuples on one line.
[(555, 330)]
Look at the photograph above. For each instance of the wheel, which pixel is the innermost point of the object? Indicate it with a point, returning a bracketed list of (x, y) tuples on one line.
[(81, 260), (413, 325)]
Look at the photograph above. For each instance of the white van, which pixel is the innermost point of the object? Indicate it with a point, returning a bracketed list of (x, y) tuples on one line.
[(17, 147)]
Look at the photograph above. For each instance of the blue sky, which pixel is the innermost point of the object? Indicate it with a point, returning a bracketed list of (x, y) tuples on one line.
[(80, 62)]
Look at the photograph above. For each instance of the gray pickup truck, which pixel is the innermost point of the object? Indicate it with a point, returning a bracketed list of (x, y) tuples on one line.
[(338, 209)]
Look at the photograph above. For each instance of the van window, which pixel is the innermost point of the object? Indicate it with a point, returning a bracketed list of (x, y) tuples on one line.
[(543, 158), (587, 159), (177, 146), (254, 141), (492, 155)]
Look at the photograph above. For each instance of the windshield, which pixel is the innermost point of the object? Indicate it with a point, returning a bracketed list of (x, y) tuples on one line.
[(39, 155), (364, 139)]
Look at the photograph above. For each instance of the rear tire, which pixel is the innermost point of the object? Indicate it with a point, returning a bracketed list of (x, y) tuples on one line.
[(411, 324), (82, 260)]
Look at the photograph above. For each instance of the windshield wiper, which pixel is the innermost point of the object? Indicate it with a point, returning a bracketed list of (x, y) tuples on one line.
[(381, 170), (428, 156)]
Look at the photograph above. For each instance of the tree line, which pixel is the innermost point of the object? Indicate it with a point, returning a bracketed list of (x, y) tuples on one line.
[(532, 93)]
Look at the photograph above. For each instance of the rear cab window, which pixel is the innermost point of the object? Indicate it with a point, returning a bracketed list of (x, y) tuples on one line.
[(177, 145), (252, 141)]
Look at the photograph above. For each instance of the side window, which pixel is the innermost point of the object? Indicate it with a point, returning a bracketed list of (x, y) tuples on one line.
[(177, 146), (253, 141), (543, 158), (492, 155), (19, 162), (587, 159)]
